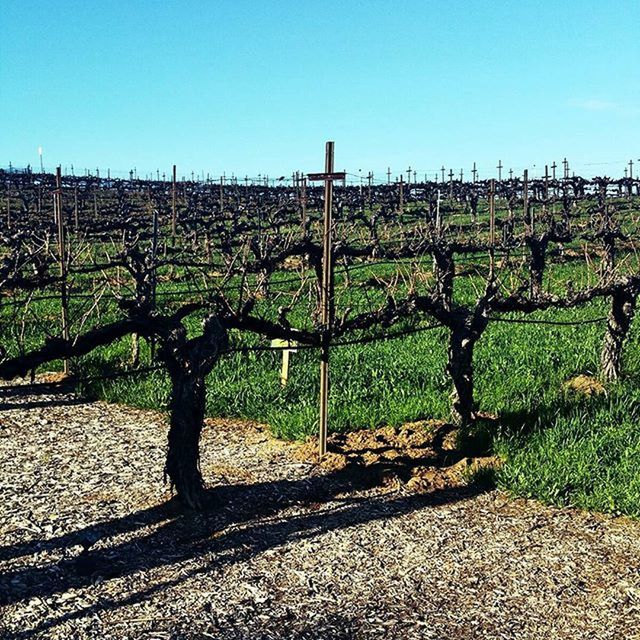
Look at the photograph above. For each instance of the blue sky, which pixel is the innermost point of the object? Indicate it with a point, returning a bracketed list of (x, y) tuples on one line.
[(257, 87)]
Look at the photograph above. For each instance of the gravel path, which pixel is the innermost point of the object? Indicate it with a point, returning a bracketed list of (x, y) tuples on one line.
[(91, 547)]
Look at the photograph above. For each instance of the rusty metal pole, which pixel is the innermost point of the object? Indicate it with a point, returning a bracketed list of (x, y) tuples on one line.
[(327, 302), (64, 302)]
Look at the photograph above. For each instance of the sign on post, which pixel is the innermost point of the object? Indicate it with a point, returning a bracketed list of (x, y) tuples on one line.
[(289, 347)]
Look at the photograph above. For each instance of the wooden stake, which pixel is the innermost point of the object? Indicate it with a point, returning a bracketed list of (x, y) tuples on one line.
[(546, 188), (64, 303), (327, 301), (75, 207), (303, 199), (154, 275), (173, 202), (525, 199), (492, 225)]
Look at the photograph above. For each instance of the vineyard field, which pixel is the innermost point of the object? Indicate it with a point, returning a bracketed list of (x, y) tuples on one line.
[(524, 268)]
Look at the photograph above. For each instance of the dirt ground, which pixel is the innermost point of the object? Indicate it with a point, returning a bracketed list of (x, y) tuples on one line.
[(384, 540)]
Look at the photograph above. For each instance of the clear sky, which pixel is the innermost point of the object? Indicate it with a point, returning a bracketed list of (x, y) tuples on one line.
[(257, 87)]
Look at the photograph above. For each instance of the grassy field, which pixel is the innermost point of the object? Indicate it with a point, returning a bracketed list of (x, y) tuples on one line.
[(560, 446)]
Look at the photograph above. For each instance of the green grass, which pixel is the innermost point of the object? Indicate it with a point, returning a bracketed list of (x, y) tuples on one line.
[(560, 448), (557, 447), (583, 453)]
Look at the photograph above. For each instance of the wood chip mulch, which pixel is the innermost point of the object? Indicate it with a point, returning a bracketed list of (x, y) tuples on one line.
[(383, 541)]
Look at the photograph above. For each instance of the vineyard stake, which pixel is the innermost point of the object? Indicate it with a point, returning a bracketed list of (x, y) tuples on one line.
[(525, 199), (546, 189), (327, 291), (75, 207), (63, 265), (303, 199), (173, 202), (154, 274), (492, 225)]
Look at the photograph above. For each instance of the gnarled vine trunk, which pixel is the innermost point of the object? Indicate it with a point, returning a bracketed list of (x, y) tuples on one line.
[(537, 264), (460, 368), (623, 305), (188, 362), (187, 407)]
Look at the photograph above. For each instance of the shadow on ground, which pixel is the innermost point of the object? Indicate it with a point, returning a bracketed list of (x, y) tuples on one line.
[(330, 502), (241, 521)]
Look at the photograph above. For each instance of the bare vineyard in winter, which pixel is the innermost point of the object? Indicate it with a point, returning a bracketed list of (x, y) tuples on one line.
[(188, 272)]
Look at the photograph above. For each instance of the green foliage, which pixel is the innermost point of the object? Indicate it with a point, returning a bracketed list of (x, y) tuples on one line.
[(561, 448)]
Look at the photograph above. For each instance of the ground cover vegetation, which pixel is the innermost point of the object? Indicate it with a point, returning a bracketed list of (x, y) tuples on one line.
[(504, 306)]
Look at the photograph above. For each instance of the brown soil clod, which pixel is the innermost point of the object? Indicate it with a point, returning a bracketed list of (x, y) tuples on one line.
[(419, 456)]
